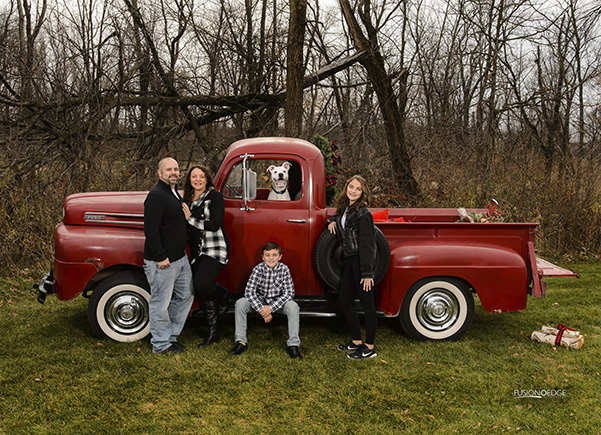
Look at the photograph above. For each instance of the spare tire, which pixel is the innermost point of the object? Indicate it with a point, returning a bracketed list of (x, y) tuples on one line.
[(329, 258)]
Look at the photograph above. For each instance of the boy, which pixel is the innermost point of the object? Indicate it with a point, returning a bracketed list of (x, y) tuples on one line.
[(269, 289)]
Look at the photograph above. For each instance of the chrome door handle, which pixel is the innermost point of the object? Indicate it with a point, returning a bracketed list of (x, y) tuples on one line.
[(298, 221)]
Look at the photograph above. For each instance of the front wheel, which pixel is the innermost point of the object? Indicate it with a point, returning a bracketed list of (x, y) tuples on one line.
[(118, 307), (437, 309)]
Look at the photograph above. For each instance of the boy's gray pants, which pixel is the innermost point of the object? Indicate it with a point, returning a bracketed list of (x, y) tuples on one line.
[(290, 308)]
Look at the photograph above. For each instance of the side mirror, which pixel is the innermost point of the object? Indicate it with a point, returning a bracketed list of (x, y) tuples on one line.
[(249, 184)]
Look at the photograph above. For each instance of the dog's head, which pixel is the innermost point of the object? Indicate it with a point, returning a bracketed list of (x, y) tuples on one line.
[(279, 175)]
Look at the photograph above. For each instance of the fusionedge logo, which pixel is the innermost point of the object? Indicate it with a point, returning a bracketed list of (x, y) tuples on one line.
[(539, 394)]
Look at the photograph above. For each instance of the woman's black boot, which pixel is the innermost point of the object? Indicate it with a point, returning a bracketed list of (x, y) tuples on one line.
[(223, 298), (210, 312)]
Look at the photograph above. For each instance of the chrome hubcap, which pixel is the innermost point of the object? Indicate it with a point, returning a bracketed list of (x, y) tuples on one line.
[(127, 313), (437, 309)]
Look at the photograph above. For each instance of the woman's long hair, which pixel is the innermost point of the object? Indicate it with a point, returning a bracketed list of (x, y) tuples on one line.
[(343, 202), (188, 189)]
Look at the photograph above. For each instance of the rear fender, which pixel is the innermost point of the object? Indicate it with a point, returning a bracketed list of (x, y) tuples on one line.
[(498, 275)]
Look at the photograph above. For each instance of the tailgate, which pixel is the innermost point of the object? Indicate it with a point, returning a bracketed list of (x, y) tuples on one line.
[(542, 268), (546, 268)]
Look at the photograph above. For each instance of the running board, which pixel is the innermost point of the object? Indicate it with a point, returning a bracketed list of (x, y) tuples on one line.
[(318, 314), (311, 307)]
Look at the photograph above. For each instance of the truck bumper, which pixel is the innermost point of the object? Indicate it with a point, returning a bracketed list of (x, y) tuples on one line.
[(45, 286)]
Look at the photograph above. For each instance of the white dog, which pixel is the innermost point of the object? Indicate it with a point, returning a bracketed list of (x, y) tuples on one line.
[(279, 182)]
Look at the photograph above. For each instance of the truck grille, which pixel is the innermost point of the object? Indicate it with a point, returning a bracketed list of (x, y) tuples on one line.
[(114, 218)]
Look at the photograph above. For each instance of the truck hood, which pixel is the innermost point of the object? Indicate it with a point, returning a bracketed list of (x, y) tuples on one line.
[(123, 209)]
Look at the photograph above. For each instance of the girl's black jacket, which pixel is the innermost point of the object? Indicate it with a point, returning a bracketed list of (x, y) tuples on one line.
[(358, 238)]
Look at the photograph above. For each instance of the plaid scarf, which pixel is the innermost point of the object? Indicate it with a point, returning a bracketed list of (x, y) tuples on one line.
[(212, 243)]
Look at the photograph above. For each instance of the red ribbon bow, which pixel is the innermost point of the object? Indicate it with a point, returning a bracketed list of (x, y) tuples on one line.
[(561, 328)]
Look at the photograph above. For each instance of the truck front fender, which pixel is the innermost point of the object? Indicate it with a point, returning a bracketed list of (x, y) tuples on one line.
[(81, 252), (498, 275)]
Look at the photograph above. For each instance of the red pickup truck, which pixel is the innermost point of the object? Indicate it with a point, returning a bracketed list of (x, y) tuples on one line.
[(428, 265)]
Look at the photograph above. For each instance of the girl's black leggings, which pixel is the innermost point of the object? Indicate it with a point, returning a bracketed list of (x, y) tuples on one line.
[(351, 278)]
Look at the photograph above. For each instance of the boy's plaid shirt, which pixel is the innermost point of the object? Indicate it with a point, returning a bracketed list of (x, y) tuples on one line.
[(266, 286)]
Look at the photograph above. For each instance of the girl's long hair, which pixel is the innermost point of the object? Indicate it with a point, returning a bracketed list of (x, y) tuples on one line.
[(188, 189), (343, 202)]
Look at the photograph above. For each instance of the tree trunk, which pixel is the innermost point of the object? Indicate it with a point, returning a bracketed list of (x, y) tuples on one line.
[(388, 104), (293, 118)]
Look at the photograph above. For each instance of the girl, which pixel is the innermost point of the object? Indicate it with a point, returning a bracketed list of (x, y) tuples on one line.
[(354, 226)]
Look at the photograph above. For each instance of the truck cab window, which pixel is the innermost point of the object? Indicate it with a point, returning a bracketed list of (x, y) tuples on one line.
[(282, 177), (233, 183)]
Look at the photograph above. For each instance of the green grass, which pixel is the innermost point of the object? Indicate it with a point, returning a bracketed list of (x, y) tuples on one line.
[(55, 377)]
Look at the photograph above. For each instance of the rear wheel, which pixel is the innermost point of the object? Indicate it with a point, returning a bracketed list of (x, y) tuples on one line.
[(118, 307), (437, 309)]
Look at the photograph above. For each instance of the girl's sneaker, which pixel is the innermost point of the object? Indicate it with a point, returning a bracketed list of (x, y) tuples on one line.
[(349, 347), (363, 352)]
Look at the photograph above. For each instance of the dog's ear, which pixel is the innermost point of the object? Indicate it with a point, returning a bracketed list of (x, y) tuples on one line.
[(287, 165), (271, 168)]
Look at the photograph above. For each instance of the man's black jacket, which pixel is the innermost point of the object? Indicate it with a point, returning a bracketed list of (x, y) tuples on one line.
[(164, 225)]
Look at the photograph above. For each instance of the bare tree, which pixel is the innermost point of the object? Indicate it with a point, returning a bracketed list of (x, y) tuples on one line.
[(295, 68), (546, 109), (388, 101), (30, 21)]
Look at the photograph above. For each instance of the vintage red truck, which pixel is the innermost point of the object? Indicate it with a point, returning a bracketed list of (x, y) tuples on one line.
[(427, 270)]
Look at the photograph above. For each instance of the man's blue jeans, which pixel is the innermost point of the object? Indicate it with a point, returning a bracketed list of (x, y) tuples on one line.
[(171, 297), (290, 308)]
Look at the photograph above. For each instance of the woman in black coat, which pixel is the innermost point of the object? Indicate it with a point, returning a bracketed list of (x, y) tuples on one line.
[(204, 209)]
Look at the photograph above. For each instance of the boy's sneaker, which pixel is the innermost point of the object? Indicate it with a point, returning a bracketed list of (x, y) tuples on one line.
[(238, 348), (363, 352), (349, 347)]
